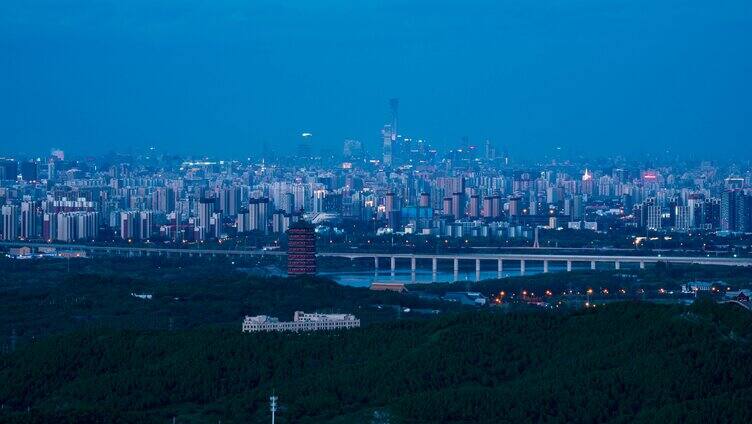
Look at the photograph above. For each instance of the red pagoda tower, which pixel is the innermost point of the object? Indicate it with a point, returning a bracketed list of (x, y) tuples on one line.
[(301, 249)]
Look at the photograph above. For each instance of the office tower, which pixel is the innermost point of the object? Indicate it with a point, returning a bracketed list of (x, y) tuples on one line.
[(394, 108), (743, 212), (653, 217), (28, 220), (51, 170), (490, 151), (712, 213), (301, 249), (619, 175), (205, 211), (10, 214), (682, 217), (8, 169), (458, 205), (388, 139), (393, 209), (474, 206), (578, 208), (587, 182), (728, 210), (29, 171), (696, 208), (305, 147), (352, 149)]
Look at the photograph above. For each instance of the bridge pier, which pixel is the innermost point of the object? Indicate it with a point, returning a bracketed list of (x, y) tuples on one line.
[(642, 264), (617, 265), (393, 264), (477, 270), (545, 267), (456, 268), (376, 263), (499, 268), (412, 265), (592, 265), (434, 265), (522, 267), (569, 266)]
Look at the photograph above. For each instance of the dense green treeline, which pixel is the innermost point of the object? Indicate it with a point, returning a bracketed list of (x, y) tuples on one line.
[(41, 298), (626, 362)]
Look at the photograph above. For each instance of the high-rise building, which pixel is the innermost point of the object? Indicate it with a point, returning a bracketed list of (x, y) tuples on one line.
[(258, 215), (165, 200), (49, 226), (474, 206), (352, 149), (129, 225), (28, 220), (229, 201), (578, 208), (145, 225), (387, 136), (10, 214), (305, 147), (682, 218), (447, 207), (728, 210), (458, 205), (205, 211), (301, 249), (515, 206), (393, 209), (8, 169), (29, 171), (654, 215), (242, 221)]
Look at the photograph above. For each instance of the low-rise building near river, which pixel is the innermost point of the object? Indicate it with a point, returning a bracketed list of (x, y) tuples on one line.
[(301, 322)]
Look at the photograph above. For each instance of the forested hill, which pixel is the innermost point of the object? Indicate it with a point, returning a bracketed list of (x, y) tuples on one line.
[(627, 362)]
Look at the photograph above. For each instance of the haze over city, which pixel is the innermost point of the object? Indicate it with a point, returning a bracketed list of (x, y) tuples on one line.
[(379, 212), (222, 77)]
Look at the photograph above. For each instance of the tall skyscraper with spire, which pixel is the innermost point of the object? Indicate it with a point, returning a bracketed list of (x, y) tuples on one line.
[(389, 133)]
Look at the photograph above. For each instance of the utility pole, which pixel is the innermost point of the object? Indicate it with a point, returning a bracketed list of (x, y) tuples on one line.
[(273, 406)]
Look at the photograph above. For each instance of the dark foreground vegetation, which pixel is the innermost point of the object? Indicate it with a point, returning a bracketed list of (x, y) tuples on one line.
[(626, 362), (40, 298)]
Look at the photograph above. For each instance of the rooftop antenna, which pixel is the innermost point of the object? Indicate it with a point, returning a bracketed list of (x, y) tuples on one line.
[(273, 406)]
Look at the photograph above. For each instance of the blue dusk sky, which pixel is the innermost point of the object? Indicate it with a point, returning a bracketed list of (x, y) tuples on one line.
[(220, 77)]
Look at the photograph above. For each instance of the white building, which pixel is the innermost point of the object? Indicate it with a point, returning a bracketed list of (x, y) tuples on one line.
[(301, 322)]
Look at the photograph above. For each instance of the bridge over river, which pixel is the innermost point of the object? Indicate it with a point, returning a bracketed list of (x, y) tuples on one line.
[(414, 259)]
